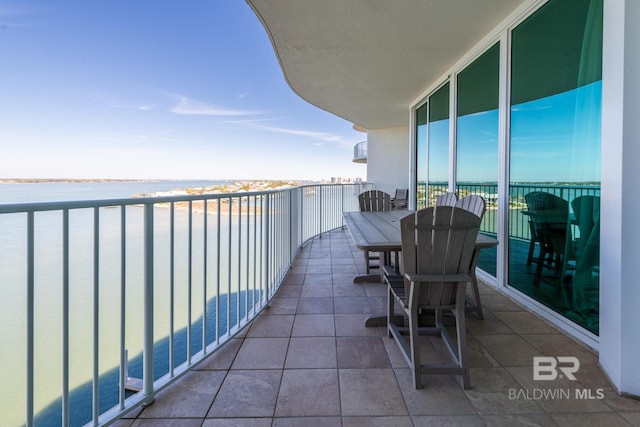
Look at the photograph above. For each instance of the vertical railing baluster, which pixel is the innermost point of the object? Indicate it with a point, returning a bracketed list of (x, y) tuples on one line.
[(255, 249), (277, 233), (280, 234), (65, 317), (343, 206), (218, 238), (230, 210), (147, 352), (96, 315), (30, 317), (267, 245), (262, 242), (123, 304), (320, 188), (239, 260), (301, 213), (204, 279), (291, 223), (248, 259), (172, 280), (189, 279)]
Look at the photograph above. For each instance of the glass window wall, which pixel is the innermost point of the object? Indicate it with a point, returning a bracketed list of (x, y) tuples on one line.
[(421, 156), (477, 140), (432, 147), (554, 188), (438, 131)]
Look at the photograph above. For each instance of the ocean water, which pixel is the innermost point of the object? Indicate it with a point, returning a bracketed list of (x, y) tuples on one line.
[(68, 191), (48, 295)]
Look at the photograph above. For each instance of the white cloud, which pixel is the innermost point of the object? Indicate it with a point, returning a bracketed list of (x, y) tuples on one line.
[(115, 102), (191, 107), (322, 136)]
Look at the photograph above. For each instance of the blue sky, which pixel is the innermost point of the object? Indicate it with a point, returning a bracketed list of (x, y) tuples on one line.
[(553, 139), (147, 89)]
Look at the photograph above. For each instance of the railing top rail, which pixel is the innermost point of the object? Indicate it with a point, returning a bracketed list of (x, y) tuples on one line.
[(132, 201)]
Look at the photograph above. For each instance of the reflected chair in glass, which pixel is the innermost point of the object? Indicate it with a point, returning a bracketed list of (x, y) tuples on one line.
[(437, 247), (374, 201), (581, 273), (548, 216)]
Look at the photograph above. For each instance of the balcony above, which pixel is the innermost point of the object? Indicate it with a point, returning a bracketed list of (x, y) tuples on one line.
[(366, 62), (360, 152)]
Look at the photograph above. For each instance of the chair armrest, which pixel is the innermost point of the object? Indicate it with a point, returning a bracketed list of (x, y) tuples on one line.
[(391, 275), (438, 277)]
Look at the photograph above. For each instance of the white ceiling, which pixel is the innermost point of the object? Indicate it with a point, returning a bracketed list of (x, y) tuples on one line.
[(367, 60)]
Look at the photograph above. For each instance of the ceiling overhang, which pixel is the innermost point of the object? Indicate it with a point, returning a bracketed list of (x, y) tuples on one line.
[(367, 60)]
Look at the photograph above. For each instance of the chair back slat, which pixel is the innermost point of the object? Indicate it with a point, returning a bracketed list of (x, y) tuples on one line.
[(447, 199), (438, 241), (374, 201), (473, 203)]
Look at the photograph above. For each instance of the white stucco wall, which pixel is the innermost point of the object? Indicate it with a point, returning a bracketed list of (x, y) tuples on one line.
[(388, 158), (620, 208)]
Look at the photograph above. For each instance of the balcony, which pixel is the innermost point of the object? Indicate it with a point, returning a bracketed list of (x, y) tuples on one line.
[(309, 360), (360, 152), (284, 257)]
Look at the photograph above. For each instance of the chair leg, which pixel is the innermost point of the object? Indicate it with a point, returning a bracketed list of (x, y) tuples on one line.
[(415, 350), (366, 261), (540, 261), (390, 310), (476, 295), (461, 332), (532, 243)]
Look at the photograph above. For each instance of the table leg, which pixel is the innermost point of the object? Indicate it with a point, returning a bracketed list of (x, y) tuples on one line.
[(374, 278), (381, 320)]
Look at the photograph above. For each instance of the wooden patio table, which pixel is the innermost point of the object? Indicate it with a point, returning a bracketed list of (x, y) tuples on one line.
[(380, 232)]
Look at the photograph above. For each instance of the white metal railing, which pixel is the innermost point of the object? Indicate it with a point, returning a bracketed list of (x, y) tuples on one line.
[(189, 271)]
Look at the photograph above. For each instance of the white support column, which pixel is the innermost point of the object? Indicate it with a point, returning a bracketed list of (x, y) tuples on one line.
[(388, 157), (620, 208)]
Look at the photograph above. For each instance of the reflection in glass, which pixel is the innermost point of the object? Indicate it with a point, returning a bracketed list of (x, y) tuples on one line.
[(421, 156), (477, 141), (554, 189), (438, 147), (432, 148)]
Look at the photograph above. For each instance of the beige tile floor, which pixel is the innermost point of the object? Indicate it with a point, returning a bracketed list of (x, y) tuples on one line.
[(309, 361)]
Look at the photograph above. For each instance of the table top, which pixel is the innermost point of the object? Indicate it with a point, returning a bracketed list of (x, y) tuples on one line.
[(376, 231), (380, 231)]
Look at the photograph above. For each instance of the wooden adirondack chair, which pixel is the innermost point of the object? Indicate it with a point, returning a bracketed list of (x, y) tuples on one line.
[(374, 201), (401, 199), (437, 247)]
